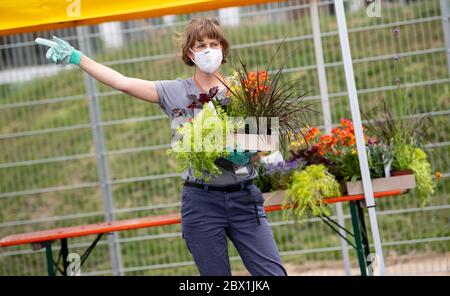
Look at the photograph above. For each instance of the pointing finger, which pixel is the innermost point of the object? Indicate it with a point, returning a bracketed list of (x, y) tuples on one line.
[(45, 42), (59, 41)]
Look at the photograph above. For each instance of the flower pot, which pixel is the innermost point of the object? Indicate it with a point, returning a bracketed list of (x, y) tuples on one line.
[(406, 181)]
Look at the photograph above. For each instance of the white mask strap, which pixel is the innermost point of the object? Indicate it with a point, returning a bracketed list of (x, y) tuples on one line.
[(194, 55)]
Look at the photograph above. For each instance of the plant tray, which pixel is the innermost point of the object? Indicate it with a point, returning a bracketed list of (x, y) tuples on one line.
[(403, 183), (274, 198), (382, 184)]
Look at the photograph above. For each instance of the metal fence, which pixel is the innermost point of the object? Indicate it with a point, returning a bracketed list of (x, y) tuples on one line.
[(74, 151)]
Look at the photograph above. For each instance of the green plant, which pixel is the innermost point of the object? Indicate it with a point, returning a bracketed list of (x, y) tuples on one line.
[(403, 156), (264, 180), (254, 94), (379, 156), (415, 159), (282, 173), (272, 177), (394, 127), (346, 164), (422, 170), (405, 134), (201, 141), (308, 189)]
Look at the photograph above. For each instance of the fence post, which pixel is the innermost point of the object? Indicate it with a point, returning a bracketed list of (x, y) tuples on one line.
[(445, 14), (327, 115), (102, 161)]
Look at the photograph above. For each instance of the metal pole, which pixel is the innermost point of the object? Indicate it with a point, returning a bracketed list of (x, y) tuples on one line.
[(64, 255), (102, 161), (50, 262), (445, 14), (356, 117), (327, 116), (358, 241)]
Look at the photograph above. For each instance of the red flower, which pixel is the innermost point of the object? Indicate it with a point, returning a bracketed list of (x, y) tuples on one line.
[(194, 104), (204, 98), (373, 141)]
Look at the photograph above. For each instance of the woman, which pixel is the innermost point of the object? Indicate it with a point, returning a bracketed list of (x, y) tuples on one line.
[(228, 205)]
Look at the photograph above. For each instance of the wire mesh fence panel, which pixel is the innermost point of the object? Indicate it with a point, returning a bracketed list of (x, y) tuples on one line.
[(49, 161)]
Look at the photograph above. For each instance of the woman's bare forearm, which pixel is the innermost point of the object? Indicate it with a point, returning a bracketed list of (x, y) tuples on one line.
[(139, 88), (102, 73)]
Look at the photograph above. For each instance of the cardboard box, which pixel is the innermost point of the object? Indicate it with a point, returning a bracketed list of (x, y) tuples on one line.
[(382, 184)]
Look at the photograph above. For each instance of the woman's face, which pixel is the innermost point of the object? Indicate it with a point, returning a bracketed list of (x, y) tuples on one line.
[(205, 43)]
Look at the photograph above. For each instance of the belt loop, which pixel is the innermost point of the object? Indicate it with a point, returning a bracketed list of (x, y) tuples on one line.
[(205, 188), (242, 186)]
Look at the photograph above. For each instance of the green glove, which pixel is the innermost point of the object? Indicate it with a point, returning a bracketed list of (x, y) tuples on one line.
[(239, 157), (60, 52)]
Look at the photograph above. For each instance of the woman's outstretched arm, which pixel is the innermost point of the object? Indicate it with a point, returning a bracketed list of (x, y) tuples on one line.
[(61, 52), (139, 88)]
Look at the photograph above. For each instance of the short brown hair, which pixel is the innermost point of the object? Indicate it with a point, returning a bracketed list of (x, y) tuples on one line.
[(199, 28)]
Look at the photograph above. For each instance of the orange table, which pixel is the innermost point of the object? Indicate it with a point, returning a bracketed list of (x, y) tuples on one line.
[(44, 238)]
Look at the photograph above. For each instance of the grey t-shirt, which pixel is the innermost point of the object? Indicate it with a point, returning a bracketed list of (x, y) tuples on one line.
[(173, 99)]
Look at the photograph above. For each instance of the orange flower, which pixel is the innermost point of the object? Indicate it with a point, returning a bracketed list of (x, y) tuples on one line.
[(350, 139), (312, 132), (340, 137), (326, 143), (256, 83), (438, 175), (336, 132), (326, 139), (347, 123)]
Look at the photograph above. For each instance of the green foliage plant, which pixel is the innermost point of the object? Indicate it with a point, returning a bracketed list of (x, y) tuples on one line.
[(309, 188), (201, 141)]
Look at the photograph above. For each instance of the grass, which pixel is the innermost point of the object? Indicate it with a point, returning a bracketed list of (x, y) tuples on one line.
[(129, 135)]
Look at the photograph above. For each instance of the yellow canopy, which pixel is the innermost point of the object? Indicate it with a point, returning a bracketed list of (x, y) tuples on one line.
[(18, 16)]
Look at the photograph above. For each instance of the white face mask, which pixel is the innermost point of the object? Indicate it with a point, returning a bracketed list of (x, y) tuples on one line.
[(208, 60)]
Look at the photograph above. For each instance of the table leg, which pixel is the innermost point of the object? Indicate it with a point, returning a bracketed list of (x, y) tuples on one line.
[(365, 241), (358, 237), (64, 254), (50, 262)]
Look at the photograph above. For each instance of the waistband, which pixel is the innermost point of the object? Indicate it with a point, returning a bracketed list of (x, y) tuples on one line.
[(227, 188), (230, 188)]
